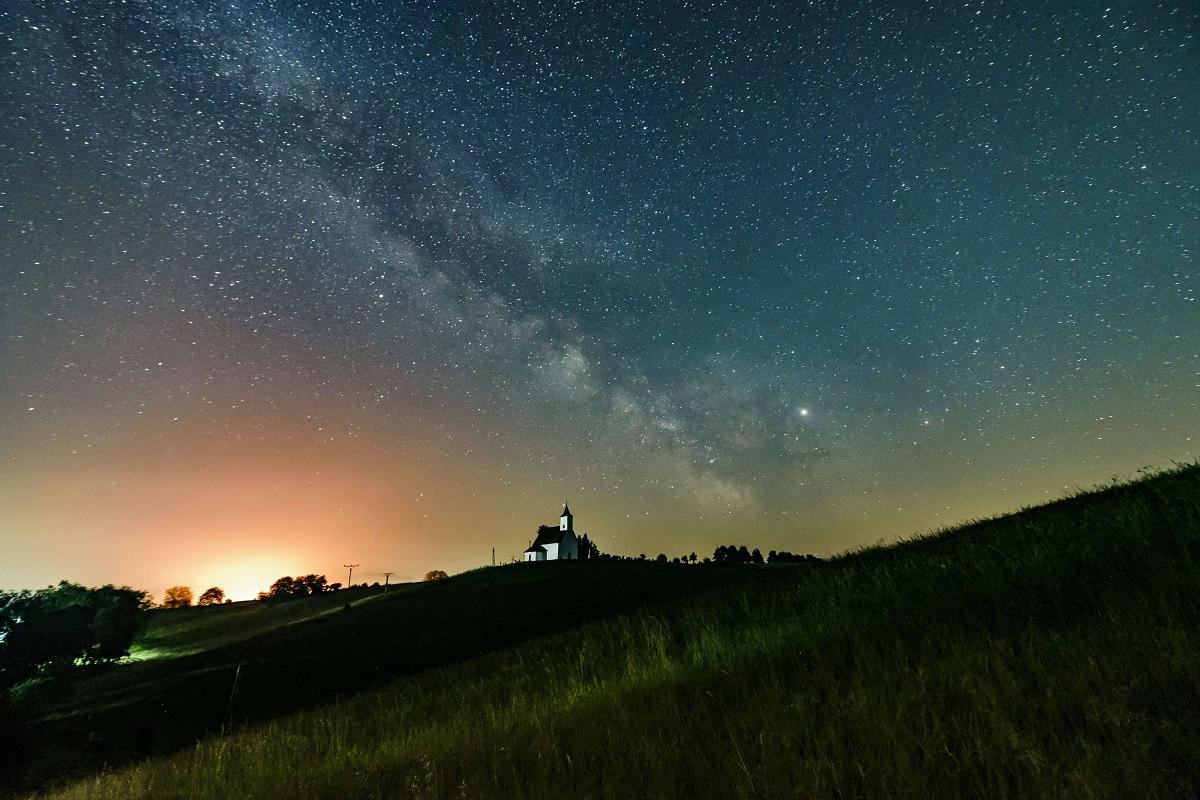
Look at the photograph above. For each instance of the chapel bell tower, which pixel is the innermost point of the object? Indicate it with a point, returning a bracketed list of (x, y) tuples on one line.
[(566, 520)]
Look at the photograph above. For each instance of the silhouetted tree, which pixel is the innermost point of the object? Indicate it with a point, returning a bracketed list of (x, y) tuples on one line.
[(118, 620), (177, 597), (282, 589), (43, 636), (211, 597), (727, 554), (65, 624), (311, 584), (692, 558), (756, 556), (587, 548), (435, 575)]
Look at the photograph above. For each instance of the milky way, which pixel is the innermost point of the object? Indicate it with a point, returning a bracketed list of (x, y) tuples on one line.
[(802, 275)]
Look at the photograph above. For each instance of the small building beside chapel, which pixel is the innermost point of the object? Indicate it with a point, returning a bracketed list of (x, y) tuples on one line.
[(555, 544)]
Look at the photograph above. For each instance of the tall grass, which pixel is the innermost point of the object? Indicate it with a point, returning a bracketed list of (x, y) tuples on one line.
[(1053, 653)]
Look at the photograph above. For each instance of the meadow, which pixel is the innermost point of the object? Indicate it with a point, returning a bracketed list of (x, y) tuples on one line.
[(1054, 652)]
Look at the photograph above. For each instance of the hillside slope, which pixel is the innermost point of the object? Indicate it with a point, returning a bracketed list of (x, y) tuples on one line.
[(176, 632), (299, 653), (1051, 653)]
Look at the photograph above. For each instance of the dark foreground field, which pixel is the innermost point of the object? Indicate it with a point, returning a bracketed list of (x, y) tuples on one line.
[(1051, 653), (303, 653)]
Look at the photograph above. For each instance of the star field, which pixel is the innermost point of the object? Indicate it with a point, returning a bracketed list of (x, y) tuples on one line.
[(333, 279)]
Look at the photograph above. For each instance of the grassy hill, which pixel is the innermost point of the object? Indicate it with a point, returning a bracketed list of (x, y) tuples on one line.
[(1050, 653), (300, 653)]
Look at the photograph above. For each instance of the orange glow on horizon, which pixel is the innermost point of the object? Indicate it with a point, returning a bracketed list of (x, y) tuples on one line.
[(244, 576)]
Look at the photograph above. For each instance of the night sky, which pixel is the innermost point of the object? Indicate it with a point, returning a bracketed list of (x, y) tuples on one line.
[(290, 285)]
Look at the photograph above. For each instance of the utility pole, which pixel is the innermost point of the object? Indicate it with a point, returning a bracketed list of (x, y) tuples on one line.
[(387, 577), (350, 577), (493, 556)]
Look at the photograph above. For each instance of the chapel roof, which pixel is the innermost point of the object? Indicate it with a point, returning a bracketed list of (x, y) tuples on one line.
[(548, 535)]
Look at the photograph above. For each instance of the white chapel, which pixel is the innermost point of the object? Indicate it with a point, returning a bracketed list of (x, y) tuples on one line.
[(555, 544)]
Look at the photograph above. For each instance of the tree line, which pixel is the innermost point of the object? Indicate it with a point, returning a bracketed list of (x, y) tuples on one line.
[(739, 554), (724, 554)]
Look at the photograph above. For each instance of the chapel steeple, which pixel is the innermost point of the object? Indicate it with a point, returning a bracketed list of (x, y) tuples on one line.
[(566, 521)]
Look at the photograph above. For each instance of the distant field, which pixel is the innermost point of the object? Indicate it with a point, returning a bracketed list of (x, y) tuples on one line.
[(184, 631), (1052, 653)]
